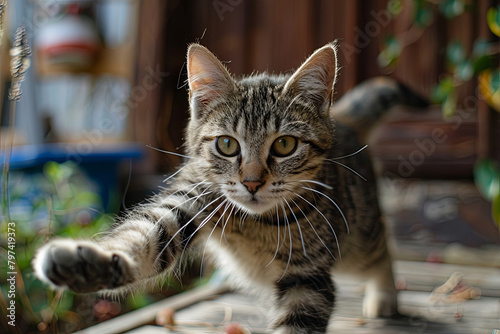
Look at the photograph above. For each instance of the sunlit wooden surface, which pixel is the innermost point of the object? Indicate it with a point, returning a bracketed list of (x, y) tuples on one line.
[(209, 309)]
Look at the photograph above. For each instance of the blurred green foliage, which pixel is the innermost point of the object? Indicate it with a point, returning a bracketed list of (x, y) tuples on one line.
[(462, 66), (493, 20), (487, 179), (60, 200), (389, 55)]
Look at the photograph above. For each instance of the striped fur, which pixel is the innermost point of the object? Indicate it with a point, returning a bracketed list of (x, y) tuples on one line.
[(281, 223)]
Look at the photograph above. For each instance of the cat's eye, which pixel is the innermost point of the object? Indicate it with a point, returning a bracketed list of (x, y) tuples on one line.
[(227, 146), (284, 146)]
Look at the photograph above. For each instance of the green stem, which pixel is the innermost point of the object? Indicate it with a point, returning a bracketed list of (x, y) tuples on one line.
[(6, 165)]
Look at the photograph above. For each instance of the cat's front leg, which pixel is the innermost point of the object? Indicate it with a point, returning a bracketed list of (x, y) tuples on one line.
[(304, 303), (148, 242), (380, 291)]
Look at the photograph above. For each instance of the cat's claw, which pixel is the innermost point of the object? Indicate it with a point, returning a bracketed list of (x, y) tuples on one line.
[(81, 266)]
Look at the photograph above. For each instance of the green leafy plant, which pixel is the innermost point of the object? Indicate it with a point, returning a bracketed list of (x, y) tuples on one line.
[(462, 66), (487, 178), (60, 200)]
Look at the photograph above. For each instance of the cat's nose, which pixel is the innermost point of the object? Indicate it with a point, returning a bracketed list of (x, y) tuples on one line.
[(252, 185)]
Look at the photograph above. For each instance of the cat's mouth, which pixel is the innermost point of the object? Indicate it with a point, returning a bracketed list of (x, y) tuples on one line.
[(253, 204)]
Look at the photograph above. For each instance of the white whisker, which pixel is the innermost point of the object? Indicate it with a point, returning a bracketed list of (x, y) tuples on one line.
[(168, 152), (195, 198), (205, 192), (318, 183), (348, 168), (310, 224), (174, 174), (334, 203), (350, 155), (225, 224), (210, 235), (207, 219), (184, 226), (278, 239), (287, 224), (298, 225), (191, 186), (202, 224), (327, 221), (178, 205), (242, 219)]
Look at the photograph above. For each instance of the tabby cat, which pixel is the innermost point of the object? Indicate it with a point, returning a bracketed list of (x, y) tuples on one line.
[(265, 189)]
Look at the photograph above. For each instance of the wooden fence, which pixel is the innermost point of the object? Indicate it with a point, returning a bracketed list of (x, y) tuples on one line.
[(277, 35)]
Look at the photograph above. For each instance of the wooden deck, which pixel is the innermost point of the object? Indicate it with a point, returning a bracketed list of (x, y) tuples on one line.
[(208, 309)]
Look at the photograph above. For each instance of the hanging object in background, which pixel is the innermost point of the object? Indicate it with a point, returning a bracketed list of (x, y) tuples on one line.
[(69, 41), (2, 11)]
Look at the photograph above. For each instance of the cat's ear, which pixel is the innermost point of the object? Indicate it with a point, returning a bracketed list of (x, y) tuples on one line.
[(314, 80), (208, 79)]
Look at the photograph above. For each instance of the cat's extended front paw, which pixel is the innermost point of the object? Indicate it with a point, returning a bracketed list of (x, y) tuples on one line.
[(380, 304), (81, 266)]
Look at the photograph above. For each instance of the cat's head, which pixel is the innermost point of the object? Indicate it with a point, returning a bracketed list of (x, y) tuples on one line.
[(257, 139)]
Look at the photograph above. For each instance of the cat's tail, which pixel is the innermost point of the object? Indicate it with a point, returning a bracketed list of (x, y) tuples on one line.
[(362, 107)]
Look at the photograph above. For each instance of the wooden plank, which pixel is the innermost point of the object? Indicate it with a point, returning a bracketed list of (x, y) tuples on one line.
[(418, 313), (147, 314), (444, 270), (478, 316), (148, 330)]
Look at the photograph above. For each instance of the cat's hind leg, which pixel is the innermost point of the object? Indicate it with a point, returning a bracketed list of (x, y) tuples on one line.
[(380, 292)]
